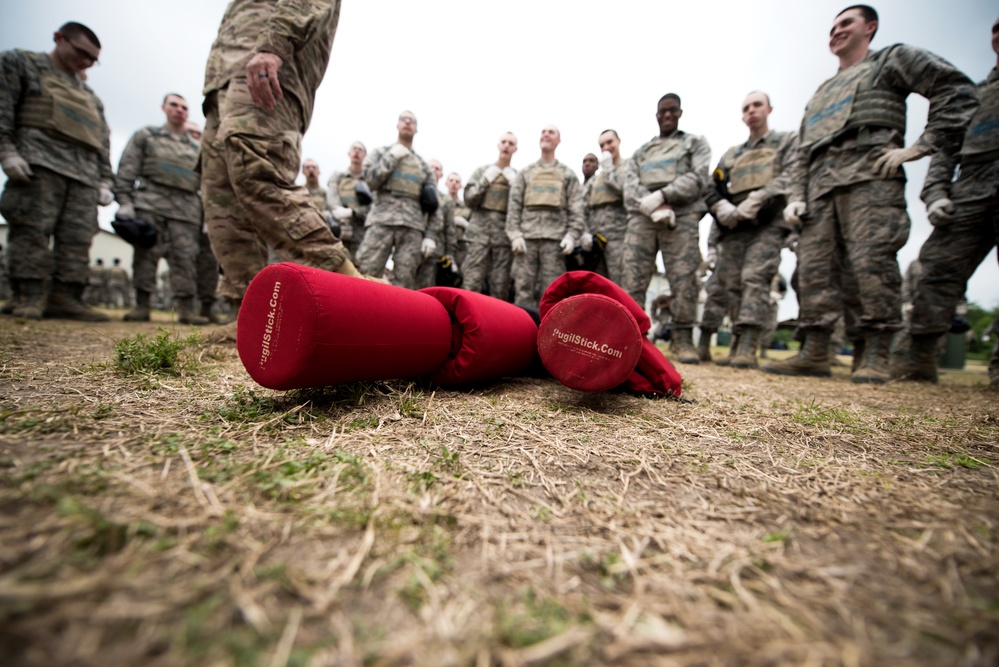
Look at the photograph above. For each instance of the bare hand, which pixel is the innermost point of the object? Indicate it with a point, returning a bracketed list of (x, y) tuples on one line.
[(262, 80)]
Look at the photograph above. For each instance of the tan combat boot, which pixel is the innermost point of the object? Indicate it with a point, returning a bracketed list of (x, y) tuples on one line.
[(683, 346), (745, 353), (874, 363), (141, 311), (186, 313), (733, 345), (704, 344), (66, 303), (30, 300), (15, 298), (918, 362), (812, 360)]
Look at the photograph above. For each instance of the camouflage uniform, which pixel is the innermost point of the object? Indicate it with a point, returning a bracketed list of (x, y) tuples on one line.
[(69, 157), (427, 274), (318, 198), (461, 243), (604, 213), (751, 252), (489, 258), (96, 293), (953, 251), (396, 225), (546, 203), (716, 295), (207, 268), (340, 192), (858, 220), (251, 158), (644, 238), (156, 174)]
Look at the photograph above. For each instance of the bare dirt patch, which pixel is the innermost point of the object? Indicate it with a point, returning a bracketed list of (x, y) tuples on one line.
[(197, 518)]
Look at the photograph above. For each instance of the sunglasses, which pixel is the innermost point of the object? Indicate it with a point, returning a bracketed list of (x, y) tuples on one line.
[(86, 55)]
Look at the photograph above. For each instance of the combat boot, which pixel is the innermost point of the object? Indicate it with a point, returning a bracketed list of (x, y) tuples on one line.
[(745, 353), (733, 344), (917, 362), (208, 313), (812, 360), (874, 362), (31, 300), (683, 346), (141, 311), (704, 344), (66, 303), (15, 298), (858, 354), (186, 313)]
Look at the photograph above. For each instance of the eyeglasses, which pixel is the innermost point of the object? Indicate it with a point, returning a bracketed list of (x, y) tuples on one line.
[(407, 119), (83, 53)]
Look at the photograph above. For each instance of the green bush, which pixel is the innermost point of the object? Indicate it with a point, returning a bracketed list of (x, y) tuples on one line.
[(162, 354)]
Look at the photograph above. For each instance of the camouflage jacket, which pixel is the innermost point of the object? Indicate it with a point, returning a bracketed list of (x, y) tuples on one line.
[(334, 199), (393, 210), (447, 237), (549, 223), (318, 197), (21, 72), (608, 219), (786, 146), (300, 32), (685, 194), (131, 186), (976, 181), (485, 227), (850, 159)]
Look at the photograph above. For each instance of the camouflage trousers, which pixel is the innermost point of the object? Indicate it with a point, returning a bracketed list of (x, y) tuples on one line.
[(681, 257), (612, 222), (847, 262), (487, 269), (949, 257), (177, 241), (426, 275), (748, 262), (402, 243), (50, 208), (249, 162), (716, 301), (533, 271), (208, 270)]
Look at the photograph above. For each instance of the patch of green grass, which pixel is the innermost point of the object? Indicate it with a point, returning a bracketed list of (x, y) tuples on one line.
[(779, 536), (813, 414), (529, 619), (246, 406), (951, 460), (158, 355)]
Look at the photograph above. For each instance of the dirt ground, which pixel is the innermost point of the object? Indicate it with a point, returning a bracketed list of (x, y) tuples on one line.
[(198, 519)]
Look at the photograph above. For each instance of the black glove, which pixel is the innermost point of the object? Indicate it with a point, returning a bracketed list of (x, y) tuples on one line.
[(363, 192), (139, 233), (428, 199)]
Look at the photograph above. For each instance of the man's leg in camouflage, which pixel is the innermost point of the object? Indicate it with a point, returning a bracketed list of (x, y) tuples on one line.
[(525, 275), (406, 257), (476, 266), (681, 257), (500, 265), (641, 243)]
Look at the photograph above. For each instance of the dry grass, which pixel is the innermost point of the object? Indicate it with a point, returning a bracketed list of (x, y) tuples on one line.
[(199, 519)]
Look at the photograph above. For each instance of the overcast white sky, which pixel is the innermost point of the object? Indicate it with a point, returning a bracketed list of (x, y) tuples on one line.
[(470, 71)]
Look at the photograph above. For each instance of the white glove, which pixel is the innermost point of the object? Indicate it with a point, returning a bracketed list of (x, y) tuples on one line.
[(586, 241), (519, 246), (346, 232), (16, 168), (606, 161), (104, 196), (887, 165), (454, 264), (712, 258), (342, 214), (428, 247), (908, 308), (791, 242), (941, 212), (492, 173), (665, 214), (509, 173), (567, 244), (794, 211), (775, 297), (651, 202), (125, 211), (726, 213), (398, 151), (460, 222), (750, 207)]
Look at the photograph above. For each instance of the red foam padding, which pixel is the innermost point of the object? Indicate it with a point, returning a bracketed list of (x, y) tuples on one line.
[(653, 374), (490, 338), (589, 342), (302, 327), (571, 283)]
